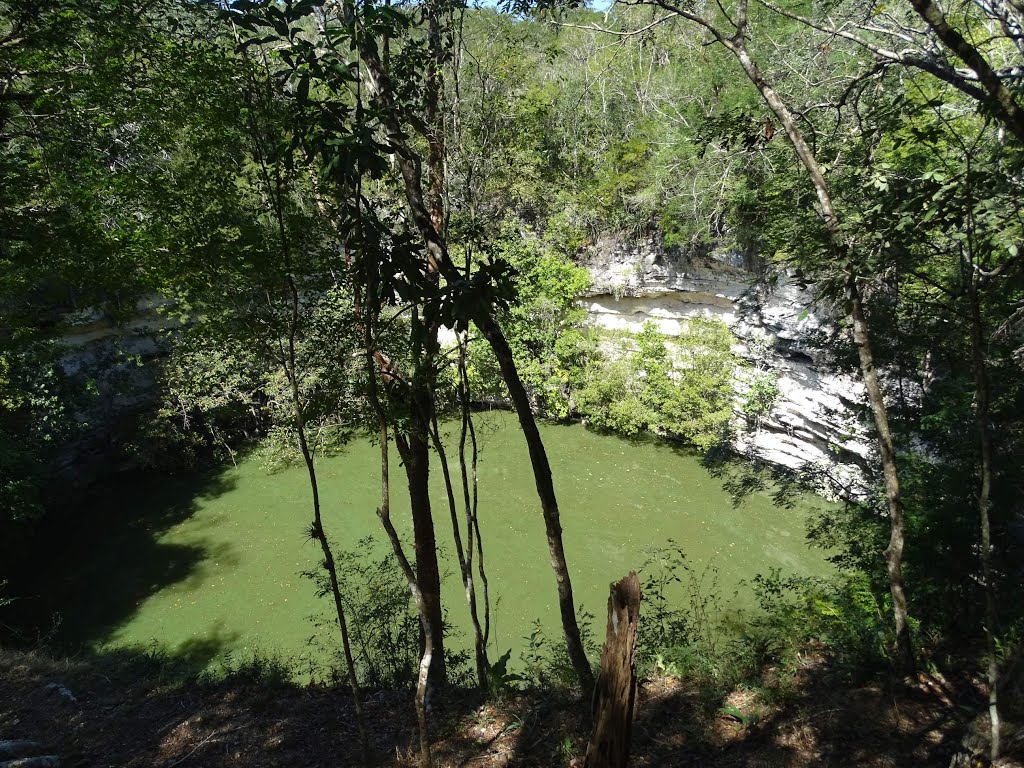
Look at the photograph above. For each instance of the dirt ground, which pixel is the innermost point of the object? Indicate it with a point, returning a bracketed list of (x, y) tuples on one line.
[(94, 717)]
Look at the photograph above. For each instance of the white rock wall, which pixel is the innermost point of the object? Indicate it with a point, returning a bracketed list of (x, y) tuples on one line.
[(813, 421), (122, 360)]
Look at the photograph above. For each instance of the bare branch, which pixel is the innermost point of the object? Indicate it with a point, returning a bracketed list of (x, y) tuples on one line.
[(958, 78), (1002, 103), (615, 32)]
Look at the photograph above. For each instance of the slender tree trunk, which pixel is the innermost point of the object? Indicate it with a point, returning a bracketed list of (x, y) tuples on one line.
[(317, 529), (428, 650), (546, 491), (470, 491), (422, 685), (422, 385), (384, 514), (465, 563), (414, 448), (736, 44), (415, 452), (434, 117), (982, 398), (1001, 101), (438, 259), (275, 188), (894, 552)]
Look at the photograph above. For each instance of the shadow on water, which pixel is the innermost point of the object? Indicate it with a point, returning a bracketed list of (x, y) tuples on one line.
[(89, 566), (739, 476)]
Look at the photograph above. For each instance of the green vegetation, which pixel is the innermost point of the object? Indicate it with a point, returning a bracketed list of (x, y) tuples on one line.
[(361, 224), (35, 421), (234, 598), (680, 388)]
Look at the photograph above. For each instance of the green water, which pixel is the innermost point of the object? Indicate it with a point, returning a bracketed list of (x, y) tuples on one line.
[(213, 564)]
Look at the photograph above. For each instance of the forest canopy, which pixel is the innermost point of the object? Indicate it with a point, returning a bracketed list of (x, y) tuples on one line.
[(372, 219)]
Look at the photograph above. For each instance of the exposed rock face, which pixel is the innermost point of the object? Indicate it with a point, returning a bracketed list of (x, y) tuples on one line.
[(814, 419), (813, 422), (121, 359)]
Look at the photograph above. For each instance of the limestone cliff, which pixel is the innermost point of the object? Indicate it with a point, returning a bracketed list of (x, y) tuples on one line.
[(121, 360), (814, 419)]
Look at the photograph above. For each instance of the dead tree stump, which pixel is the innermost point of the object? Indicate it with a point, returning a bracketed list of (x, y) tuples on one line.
[(615, 692)]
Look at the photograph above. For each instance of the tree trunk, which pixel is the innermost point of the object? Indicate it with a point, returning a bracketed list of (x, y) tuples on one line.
[(548, 502), (465, 561), (422, 684), (375, 362), (427, 652), (894, 552), (1001, 101), (438, 259), (982, 399), (615, 692), (470, 498), (415, 452), (318, 532), (384, 514), (861, 335)]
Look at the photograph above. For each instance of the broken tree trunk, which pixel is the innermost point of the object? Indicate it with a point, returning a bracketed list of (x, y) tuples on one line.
[(615, 692)]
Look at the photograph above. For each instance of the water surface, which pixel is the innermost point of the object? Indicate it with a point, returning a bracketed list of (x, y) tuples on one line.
[(212, 565)]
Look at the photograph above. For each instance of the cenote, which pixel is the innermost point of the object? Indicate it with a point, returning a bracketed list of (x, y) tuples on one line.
[(211, 565)]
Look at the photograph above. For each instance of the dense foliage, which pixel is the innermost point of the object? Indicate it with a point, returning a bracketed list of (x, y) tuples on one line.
[(329, 212)]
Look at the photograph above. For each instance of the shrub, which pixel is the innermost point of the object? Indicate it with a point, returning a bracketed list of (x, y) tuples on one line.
[(681, 620), (383, 625), (840, 613), (679, 388), (547, 664)]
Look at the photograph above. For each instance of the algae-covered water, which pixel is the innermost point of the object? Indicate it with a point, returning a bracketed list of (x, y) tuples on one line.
[(211, 564)]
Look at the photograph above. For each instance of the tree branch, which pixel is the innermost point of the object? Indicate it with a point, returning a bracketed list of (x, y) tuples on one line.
[(1004, 107)]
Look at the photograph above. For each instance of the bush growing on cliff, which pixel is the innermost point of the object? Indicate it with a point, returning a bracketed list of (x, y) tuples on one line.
[(762, 396), (222, 385), (679, 388), (544, 326)]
